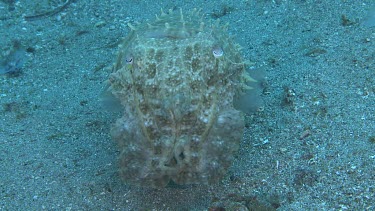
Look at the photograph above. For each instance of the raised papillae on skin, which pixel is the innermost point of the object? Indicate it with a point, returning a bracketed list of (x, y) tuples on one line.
[(176, 78)]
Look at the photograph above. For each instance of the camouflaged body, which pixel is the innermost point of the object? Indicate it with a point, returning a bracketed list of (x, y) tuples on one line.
[(179, 123)]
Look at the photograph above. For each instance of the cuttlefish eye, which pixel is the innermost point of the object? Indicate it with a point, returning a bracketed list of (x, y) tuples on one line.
[(217, 51), (129, 59)]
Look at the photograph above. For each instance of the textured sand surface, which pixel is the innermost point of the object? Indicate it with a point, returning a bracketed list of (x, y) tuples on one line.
[(310, 148)]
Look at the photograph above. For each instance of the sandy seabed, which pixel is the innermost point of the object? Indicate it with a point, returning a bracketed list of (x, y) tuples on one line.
[(311, 147)]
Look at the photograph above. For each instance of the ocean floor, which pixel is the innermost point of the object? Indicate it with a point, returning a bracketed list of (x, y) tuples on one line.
[(310, 147)]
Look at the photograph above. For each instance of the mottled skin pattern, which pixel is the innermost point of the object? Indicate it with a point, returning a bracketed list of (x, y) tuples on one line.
[(177, 90)]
